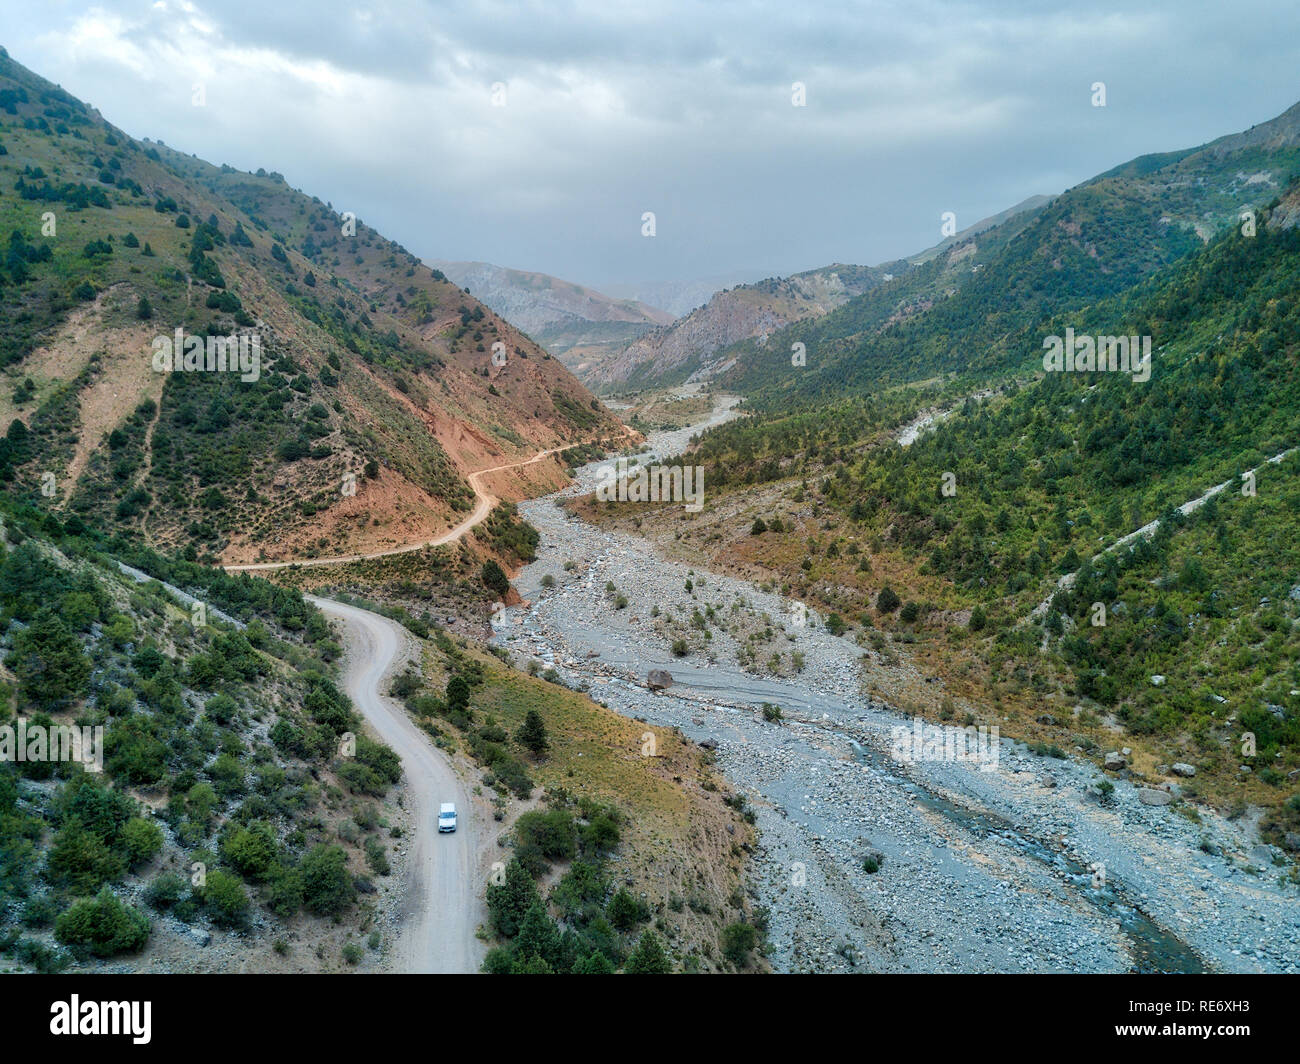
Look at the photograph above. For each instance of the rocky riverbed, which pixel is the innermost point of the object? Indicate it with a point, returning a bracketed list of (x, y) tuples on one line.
[(874, 862)]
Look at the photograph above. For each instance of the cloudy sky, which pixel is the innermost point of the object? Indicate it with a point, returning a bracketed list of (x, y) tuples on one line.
[(612, 109)]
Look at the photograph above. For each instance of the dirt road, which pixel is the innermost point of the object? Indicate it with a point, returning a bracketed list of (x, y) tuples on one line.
[(442, 906), (484, 500)]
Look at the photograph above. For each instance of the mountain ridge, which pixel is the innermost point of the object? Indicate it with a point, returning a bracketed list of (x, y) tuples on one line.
[(381, 387)]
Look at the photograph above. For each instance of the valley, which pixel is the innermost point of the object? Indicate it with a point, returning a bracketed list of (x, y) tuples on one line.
[(789, 599), (976, 871)]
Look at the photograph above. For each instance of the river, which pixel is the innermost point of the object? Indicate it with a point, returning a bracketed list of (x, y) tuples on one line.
[(1018, 869)]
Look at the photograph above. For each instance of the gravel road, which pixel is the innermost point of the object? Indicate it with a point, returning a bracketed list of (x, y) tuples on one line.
[(441, 906)]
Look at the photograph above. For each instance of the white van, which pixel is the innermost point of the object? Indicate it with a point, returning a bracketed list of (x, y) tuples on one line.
[(447, 816)]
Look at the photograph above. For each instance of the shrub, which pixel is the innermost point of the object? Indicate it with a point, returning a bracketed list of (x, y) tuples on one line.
[(532, 733), (625, 911), (38, 912), (327, 887), (601, 834), (377, 857), (737, 940), (225, 898), (887, 601), (141, 840), (552, 834), (81, 861), (251, 850), (494, 578), (382, 760), (221, 708), (284, 891), (104, 926), (165, 891), (648, 958)]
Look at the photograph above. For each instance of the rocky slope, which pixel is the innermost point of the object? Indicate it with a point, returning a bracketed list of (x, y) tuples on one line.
[(687, 349)]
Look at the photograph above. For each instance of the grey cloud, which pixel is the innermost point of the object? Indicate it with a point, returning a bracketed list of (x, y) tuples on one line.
[(914, 107)]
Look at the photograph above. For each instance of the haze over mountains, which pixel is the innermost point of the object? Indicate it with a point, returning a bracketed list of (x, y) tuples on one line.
[(1197, 191), (1095, 239), (573, 322)]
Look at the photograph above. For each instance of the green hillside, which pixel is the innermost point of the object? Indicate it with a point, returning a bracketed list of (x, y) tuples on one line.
[(968, 313), (1048, 472), (111, 245), (225, 798)]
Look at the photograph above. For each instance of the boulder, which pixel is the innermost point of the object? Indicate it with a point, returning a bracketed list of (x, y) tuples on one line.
[(658, 679), (1182, 768), (1157, 680), (1149, 796), (1292, 841), (1115, 761), (200, 936)]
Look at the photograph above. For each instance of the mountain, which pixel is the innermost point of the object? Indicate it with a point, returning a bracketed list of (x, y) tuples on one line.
[(712, 339), (680, 297), (576, 324), (1023, 211), (1113, 555), (370, 389), (687, 348), (973, 308)]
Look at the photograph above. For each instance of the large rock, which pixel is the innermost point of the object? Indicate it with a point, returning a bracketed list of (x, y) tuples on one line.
[(1149, 796), (1115, 761), (1182, 768), (658, 679)]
